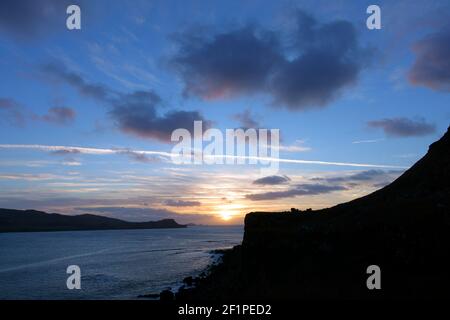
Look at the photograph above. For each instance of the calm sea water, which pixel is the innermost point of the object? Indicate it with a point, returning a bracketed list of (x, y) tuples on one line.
[(115, 264)]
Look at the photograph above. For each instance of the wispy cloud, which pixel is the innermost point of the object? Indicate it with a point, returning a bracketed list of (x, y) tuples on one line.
[(169, 155), (367, 141)]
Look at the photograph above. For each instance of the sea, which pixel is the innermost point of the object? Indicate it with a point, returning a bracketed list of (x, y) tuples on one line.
[(113, 264)]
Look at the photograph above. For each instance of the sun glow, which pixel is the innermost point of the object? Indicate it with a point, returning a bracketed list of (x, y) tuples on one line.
[(225, 216), (229, 211)]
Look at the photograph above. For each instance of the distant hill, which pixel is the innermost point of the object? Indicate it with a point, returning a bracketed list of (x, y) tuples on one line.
[(404, 228), (32, 220)]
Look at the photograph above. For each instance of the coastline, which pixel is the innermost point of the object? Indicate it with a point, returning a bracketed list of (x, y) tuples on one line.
[(190, 283)]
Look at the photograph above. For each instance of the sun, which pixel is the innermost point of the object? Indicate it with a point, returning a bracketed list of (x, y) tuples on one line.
[(225, 215)]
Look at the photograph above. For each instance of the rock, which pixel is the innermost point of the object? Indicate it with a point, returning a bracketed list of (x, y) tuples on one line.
[(166, 295), (188, 281), (149, 296)]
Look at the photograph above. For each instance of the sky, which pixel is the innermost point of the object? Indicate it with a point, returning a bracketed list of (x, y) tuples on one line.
[(86, 115)]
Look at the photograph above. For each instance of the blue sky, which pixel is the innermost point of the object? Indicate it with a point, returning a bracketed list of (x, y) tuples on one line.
[(337, 91)]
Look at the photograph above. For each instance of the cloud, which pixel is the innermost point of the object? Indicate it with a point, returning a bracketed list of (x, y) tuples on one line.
[(329, 59), (367, 175), (272, 180), (246, 119), (403, 127), (299, 190), (226, 64), (12, 112), (310, 71), (16, 114), (65, 152), (367, 141), (27, 19), (70, 162), (59, 115), (298, 146), (136, 114), (181, 203), (58, 72), (28, 176), (432, 66), (68, 150), (139, 156)]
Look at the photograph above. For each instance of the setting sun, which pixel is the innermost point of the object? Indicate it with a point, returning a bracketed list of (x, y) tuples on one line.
[(225, 215)]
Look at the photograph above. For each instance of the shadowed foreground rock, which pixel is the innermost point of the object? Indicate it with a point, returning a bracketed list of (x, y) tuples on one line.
[(404, 228)]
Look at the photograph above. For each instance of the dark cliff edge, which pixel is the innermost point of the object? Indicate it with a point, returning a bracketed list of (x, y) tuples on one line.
[(33, 221), (404, 228)]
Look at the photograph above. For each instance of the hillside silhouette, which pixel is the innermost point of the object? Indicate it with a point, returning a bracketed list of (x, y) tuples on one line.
[(32, 220), (404, 228)]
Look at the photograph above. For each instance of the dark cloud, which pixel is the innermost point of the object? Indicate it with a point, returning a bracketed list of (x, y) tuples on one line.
[(247, 120), (432, 65), (299, 190), (59, 115), (226, 64), (12, 112), (311, 70), (403, 127), (328, 60), (134, 113), (58, 72), (272, 180), (181, 203), (26, 19)]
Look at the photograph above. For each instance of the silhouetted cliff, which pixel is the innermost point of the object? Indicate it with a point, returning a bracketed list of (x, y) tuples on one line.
[(31, 220), (404, 228)]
